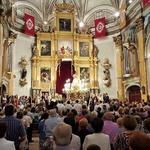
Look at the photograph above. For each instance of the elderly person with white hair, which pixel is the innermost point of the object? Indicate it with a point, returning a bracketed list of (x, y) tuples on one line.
[(110, 128), (62, 136), (51, 122)]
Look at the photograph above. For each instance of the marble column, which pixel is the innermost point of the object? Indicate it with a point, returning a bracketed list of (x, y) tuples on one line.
[(142, 65), (119, 56)]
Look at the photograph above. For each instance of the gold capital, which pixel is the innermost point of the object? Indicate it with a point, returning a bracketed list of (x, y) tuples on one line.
[(139, 24), (118, 40)]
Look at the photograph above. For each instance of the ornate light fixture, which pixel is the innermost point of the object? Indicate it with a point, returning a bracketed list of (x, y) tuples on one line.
[(76, 89)]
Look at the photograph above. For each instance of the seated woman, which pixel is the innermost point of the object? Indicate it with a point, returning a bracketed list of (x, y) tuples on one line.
[(5, 144)]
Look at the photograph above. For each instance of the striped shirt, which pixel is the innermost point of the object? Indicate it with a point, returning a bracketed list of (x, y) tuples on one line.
[(15, 129)]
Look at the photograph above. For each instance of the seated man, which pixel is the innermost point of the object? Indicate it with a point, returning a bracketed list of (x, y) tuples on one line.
[(62, 136)]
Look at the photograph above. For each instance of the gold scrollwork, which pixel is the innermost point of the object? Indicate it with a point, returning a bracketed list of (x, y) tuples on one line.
[(64, 7)]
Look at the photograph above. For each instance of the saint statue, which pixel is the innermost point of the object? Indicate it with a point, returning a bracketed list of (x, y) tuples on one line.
[(75, 81), (23, 73)]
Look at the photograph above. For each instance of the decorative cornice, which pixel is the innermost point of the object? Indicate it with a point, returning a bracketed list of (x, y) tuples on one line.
[(118, 40), (139, 24)]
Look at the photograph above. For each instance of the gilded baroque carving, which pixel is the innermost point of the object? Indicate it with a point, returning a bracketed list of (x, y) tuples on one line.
[(64, 7), (65, 45), (12, 38), (34, 51), (118, 40)]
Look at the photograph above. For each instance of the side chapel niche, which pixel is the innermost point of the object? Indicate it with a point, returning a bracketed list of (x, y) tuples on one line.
[(66, 46)]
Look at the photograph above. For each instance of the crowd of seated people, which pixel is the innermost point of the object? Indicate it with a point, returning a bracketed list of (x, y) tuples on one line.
[(78, 125)]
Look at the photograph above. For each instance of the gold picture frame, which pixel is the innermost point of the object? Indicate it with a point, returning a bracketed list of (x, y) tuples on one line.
[(45, 48), (65, 25), (84, 49)]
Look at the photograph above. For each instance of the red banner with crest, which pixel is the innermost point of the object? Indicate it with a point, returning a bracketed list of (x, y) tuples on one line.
[(100, 29), (29, 24), (146, 2)]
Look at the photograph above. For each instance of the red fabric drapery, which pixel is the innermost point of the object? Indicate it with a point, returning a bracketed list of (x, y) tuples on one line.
[(65, 70)]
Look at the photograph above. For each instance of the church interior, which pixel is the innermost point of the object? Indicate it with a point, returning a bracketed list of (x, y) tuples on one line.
[(30, 62), (74, 50)]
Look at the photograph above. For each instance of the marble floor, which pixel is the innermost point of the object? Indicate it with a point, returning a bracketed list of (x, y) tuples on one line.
[(34, 145)]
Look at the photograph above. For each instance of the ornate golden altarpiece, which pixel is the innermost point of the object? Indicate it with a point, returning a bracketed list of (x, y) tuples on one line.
[(65, 42)]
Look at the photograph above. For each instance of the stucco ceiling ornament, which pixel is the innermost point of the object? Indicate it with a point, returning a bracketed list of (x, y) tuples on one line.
[(67, 7)]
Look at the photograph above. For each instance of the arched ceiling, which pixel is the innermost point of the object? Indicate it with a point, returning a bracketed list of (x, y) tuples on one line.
[(86, 10)]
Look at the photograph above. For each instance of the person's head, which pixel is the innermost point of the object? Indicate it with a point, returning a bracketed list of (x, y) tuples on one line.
[(64, 112), (9, 110), (120, 122), (45, 116), (129, 122), (74, 112), (68, 102), (97, 124), (108, 116), (77, 101), (93, 147), (147, 124), (62, 134), (83, 123), (19, 115), (52, 112), (2, 129), (138, 119), (139, 141), (25, 112)]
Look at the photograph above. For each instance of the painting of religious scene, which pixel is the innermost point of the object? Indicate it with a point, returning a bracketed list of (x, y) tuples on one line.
[(84, 49), (45, 48), (85, 74), (65, 24), (65, 48), (45, 74)]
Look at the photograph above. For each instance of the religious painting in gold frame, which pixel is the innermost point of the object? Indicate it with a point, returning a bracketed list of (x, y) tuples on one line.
[(85, 74), (64, 24), (45, 47), (45, 74), (84, 49), (65, 48)]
